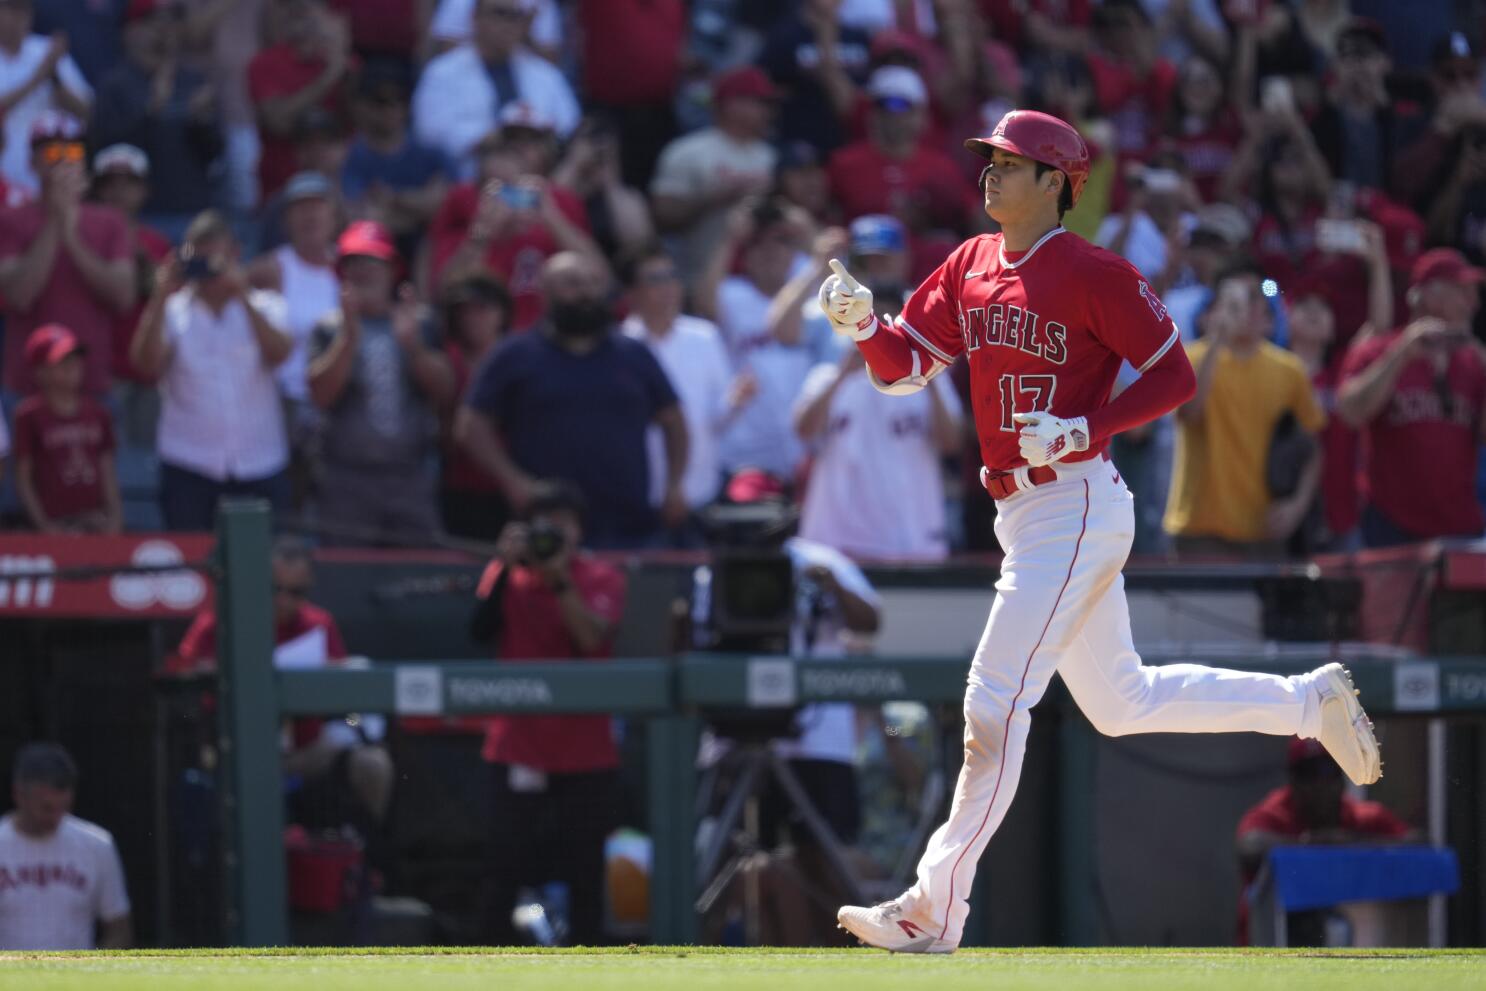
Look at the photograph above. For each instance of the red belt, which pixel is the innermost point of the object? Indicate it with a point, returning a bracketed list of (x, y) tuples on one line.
[(1001, 484)]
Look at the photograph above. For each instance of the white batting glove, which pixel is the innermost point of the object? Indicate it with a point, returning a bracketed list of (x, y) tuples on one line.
[(847, 304), (1045, 438)]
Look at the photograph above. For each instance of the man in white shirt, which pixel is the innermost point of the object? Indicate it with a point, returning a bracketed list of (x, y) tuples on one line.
[(461, 92), (876, 485), (59, 875), (214, 344), (453, 23), (36, 74), (691, 352), (703, 175)]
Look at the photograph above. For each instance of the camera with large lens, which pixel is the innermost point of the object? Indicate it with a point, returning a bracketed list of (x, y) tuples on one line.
[(544, 540)]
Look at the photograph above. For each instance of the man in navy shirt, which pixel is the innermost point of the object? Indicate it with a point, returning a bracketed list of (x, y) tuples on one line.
[(572, 399), (399, 180)]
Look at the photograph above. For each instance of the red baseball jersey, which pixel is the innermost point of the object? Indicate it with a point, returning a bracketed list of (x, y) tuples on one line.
[(1044, 329)]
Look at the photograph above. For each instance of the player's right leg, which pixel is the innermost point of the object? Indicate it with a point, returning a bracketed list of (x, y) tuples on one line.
[(1120, 695)]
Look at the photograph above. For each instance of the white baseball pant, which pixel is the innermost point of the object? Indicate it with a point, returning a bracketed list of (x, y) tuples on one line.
[(1060, 606)]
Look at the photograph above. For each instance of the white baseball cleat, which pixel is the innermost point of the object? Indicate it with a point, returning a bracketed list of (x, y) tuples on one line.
[(1346, 732), (884, 927)]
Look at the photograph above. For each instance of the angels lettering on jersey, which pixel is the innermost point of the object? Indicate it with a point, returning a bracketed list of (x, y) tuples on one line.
[(1044, 330)]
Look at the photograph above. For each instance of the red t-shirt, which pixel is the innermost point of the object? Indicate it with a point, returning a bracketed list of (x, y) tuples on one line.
[(1045, 329), (1288, 254), (66, 297), (66, 454), (280, 71), (1135, 105), (532, 630), (632, 49), (1421, 465), (381, 27), (517, 259), (150, 248), (1209, 152), (1341, 498), (926, 189), (198, 652)]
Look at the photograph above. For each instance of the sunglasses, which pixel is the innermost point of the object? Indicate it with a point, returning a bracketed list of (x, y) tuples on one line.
[(57, 152)]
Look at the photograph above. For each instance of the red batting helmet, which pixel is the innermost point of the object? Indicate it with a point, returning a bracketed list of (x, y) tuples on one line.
[(1042, 138)]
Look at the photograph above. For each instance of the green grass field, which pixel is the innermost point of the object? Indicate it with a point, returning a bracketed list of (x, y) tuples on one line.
[(701, 969)]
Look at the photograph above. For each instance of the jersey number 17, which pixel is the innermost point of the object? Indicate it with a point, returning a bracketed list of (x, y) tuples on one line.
[(1039, 387)]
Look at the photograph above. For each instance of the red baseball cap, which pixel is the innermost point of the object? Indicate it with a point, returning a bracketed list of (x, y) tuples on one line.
[(744, 81), (49, 344), (368, 239), (1445, 264), (1302, 750)]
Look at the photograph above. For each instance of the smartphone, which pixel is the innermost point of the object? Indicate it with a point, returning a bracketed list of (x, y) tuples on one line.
[(1161, 180), (1276, 95), (195, 266), (519, 197), (1343, 237)]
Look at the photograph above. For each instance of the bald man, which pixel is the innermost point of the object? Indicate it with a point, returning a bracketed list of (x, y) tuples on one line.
[(573, 400)]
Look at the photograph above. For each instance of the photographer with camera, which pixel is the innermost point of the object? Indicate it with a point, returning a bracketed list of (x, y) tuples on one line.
[(555, 784), (221, 421), (1420, 391)]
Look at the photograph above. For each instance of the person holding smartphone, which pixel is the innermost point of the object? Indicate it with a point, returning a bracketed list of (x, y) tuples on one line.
[(1420, 393)]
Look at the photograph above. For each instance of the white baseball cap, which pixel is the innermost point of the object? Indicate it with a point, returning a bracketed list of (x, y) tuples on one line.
[(122, 159), (897, 87)]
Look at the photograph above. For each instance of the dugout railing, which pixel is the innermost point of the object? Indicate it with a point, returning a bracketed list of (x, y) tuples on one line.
[(671, 695)]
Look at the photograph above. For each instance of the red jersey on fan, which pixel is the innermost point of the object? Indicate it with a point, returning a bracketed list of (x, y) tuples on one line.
[(1035, 342)]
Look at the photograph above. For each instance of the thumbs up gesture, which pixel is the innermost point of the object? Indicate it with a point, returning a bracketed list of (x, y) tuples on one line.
[(847, 303)]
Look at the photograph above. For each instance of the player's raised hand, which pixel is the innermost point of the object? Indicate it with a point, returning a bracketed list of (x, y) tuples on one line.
[(1045, 438), (847, 303)]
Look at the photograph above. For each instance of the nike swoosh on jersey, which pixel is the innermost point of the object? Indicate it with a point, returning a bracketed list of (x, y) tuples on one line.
[(971, 275)]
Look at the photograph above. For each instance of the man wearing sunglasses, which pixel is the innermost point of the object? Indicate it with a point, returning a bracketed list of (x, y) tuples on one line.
[(36, 73), (63, 260)]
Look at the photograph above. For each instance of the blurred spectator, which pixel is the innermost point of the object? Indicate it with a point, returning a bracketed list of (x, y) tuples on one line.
[(1219, 231), (388, 176), (167, 108), (555, 786), (386, 31), (1042, 26), (703, 175), (766, 315), (453, 23), (800, 178), (876, 484), (1202, 125), (892, 171), (226, 35), (1313, 807), (1441, 174), (573, 400), (92, 30), (378, 373), (1159, 204), (513, 218), (63, 260), (214, 344), (306, 67), (462, 92), (691, 353), (476, 310), (64, 443), (303, 273), (1293, 191), (63, 874), (1247, 390), (1295, 40), (631, 60), (1133, 84), (121, 179), (36, 75), (818, 64), (336, 772), (319, 147), (1358, 129), (1420, 392), (1189, 29), (618, 214), (1411, 28)]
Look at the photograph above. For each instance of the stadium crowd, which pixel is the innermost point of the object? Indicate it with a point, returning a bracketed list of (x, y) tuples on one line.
[(392, 264)]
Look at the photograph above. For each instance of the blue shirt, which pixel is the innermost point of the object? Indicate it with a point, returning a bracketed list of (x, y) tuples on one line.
[(581, 418), (410, 167)]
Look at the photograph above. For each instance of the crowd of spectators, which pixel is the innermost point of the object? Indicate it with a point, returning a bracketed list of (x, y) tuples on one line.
[(389, 265)]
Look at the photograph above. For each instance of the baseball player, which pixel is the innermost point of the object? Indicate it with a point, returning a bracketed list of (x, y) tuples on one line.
[(1045, 319)]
